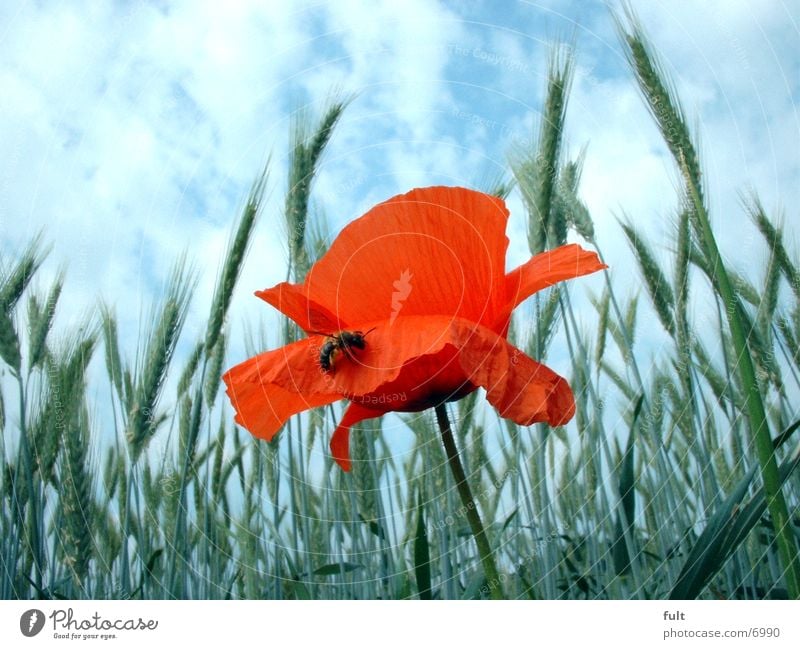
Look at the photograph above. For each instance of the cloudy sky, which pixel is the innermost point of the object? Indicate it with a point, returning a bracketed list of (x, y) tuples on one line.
[(131, 132)]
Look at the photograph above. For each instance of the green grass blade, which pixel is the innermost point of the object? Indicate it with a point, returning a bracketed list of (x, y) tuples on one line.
[(422, 555), (727, 528), (627, 496), (336, 569)]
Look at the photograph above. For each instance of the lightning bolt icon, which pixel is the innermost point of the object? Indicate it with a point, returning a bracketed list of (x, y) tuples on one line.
[(32, 620)]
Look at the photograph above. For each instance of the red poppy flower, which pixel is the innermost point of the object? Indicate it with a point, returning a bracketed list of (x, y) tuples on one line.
[(423, 277)]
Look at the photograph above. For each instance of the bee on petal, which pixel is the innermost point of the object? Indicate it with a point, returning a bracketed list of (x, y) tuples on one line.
[(344, 341)]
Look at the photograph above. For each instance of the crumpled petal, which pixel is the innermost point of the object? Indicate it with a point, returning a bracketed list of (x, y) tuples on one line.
[(340, 441), (549, 268), (292, 301), (263, 406), (423, 382), (421, 361), (388, 348), (432, 251), (519, 388)]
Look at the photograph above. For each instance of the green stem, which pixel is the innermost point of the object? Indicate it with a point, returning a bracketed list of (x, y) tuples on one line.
[(465, 493), (180, 548), (787, 548), (27, 468)]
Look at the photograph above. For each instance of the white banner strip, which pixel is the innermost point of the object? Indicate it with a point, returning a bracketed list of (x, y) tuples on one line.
[(382, 625)]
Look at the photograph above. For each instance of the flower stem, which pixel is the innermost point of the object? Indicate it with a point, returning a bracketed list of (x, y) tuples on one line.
[(464, 492)]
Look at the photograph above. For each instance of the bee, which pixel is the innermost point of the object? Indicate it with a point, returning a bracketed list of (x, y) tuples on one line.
[(344, 341)]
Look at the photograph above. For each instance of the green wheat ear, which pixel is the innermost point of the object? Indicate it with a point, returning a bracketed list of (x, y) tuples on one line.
[(40, 321), (536, 172), (660, 95), (602, 306), (153, 365), (657, 285), (15, 280), (190, 369), (9, 343), (307, 146), (70, 422), (215, 369), (773, 237), (575, 214), (234, 259), (114, 366)]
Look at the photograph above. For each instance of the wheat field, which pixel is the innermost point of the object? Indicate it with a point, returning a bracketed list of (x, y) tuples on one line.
[(676, 479)]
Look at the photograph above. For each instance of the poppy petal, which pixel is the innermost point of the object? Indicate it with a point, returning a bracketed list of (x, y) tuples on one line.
[(549, 268), (340, 441), (432, 251), (424, 382), (421, 361), (292, 301), (387, 351), (261, 405), (517, 386)]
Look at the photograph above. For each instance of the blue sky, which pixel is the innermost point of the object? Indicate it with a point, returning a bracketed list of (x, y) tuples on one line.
[(132, 131)]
